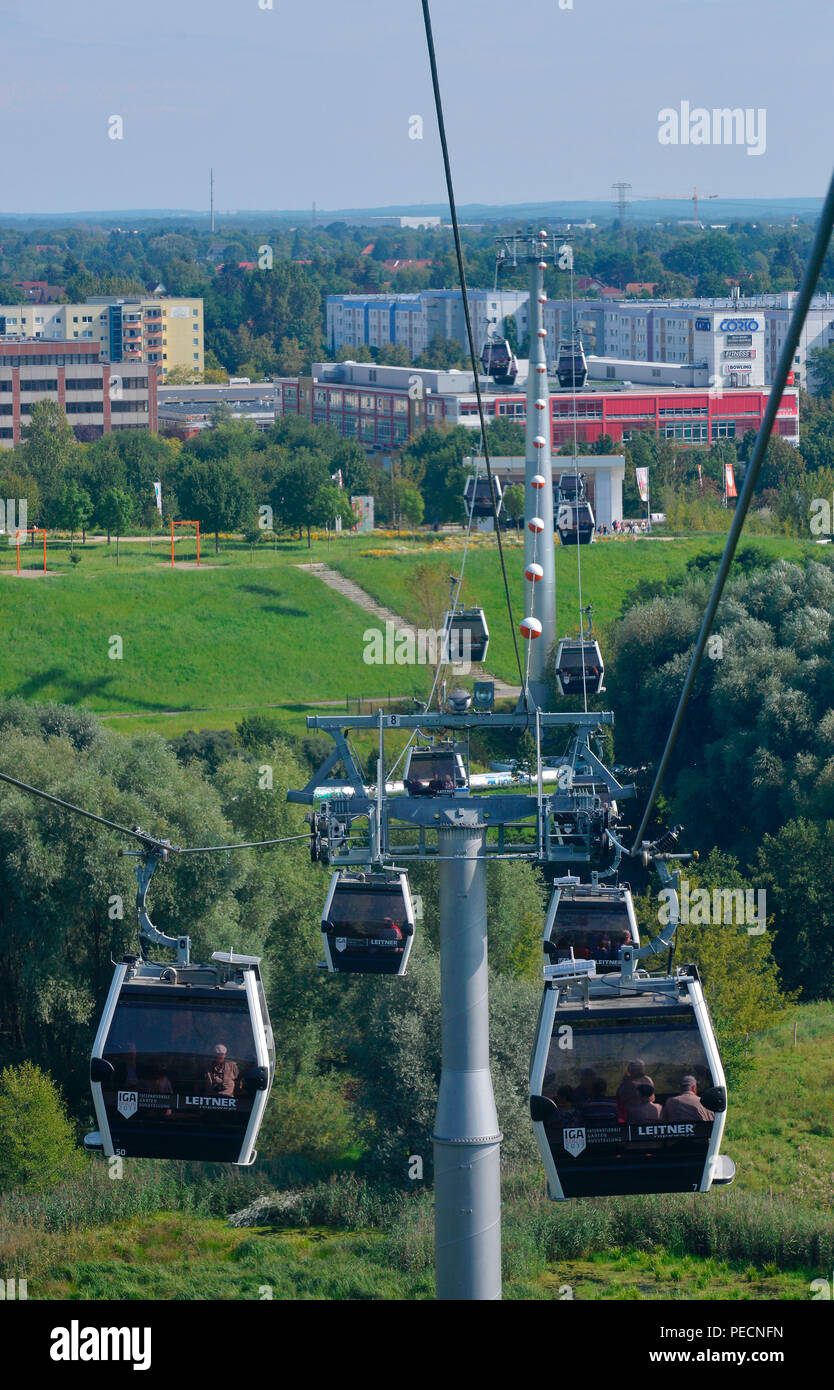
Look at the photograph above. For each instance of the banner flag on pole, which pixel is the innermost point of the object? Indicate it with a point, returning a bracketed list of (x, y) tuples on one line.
[(730, 480), (643, 483), (157, 492)]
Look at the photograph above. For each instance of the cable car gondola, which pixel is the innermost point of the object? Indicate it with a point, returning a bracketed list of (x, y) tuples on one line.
[(183, 1061), (477, 495), (570, 487), (499, 362), (579, 666), (468, 635), (571, 364), (575, 523), (636, 1102), (434, 771), (368, 924), (589, 922)]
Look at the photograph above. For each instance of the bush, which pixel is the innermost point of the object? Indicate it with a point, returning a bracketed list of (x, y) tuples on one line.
[(37, 1144), (310, 1118)]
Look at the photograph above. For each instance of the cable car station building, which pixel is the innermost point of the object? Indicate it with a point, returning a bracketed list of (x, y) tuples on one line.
[(383, 407)]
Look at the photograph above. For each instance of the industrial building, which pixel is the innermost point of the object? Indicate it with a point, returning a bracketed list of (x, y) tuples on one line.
[(193, 408), (131, 328), (96, 397), (383, 407)]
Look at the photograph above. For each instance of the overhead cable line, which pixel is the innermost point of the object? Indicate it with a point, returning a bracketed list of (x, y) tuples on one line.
[(803, 300), (438, 105), (135, 831)]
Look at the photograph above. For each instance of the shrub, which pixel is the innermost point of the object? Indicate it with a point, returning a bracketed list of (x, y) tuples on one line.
[(37, 1144)]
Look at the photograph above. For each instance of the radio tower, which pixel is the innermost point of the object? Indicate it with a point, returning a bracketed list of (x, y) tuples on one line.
[(622, 201), (211, 197)]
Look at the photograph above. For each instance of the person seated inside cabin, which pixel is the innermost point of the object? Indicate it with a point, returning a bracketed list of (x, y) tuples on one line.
[(685, 1106), (627, 1092), (415, 787), (126, 1069), (222, 1076), (448, 784), (566, 1111), (604, 950), (387, 932), (601, 1108), (646, 1110), (585, 1090)]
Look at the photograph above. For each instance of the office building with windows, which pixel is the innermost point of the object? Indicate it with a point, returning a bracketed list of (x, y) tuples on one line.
[(96, 397), (142, 328), (383, 407)]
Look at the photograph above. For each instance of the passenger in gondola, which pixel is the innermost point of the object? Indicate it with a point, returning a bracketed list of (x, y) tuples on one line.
[(627, 1092), (601, 1108), (686, 1106), (127, 1070), (222, 1077), (604, 949), (646, 1111), (448, 784), (566, 1111), (585, 1090)]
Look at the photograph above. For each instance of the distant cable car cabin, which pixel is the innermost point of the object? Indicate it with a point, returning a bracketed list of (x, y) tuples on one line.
[(589, 922), (477, 485), (579, 666), (498, 361), (575, 523), (368, 924), (468, 635), (637, 1102), (183, 1061), (571, 364), (435, 771), (571, 487)]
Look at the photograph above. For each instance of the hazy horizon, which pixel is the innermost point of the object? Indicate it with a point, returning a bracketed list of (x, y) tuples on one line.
[(542, 104)]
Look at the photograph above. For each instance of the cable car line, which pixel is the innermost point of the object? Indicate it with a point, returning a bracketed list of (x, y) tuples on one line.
[(134, 831), (803, 300), (438, 105)]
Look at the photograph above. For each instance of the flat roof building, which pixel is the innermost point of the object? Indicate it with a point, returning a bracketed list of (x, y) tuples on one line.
[(164, 331), (96, 397), (383, 407)]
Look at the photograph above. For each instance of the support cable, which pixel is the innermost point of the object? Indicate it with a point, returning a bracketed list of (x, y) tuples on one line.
[(470, 336), (803, 300)]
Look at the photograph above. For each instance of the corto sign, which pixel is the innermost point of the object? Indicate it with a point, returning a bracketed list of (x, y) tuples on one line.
[(738, 326)]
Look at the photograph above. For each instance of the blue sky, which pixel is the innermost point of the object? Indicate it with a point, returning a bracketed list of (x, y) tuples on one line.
[(312, 102)]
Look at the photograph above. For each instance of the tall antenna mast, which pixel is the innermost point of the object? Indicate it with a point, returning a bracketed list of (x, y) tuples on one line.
[(211, 196)]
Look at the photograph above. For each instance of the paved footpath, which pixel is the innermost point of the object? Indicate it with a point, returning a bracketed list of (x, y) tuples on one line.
[(334, 580)]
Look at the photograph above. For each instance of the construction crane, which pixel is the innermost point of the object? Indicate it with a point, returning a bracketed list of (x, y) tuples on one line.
[(675, 198)]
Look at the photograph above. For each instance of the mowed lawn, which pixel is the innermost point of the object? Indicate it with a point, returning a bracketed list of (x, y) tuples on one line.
[(232, 634), (254, 631), (609, 569)]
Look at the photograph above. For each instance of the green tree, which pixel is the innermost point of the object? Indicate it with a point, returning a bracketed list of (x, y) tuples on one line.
[(115, 512), (48, 452), (821, 369), (37, 1144), (514, 502), (296, 489), (74, 510), (290, 357), (213, 492)]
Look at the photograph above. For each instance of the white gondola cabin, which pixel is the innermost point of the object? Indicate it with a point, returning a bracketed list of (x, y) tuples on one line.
[(477, 495), (468, 635), (435, 771), (368, 924), (635, 1102), (588, 921), (579, 666), (183, 1061), (575, 523), (499, 362), (571, 364)]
